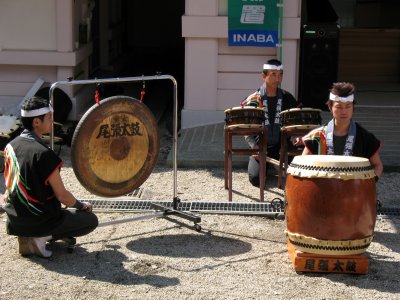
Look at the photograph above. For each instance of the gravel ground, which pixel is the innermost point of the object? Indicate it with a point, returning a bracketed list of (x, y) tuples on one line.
[(233, 257)]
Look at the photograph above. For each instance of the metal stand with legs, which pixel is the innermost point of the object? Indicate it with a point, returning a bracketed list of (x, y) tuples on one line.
[(166, 211)]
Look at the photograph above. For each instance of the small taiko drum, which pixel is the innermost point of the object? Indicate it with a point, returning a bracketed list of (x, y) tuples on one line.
[(245, 117), (10, 128), (300, 118), (330, 204)]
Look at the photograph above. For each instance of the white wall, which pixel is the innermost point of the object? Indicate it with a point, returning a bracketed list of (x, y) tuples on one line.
[(27, 24), (38, 39)]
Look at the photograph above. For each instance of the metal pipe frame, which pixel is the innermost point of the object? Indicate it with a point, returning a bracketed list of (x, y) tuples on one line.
[(128, 79)]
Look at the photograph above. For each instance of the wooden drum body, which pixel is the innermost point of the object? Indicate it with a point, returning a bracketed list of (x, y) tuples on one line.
[(10, 128), (244, 117), (115, 146), (331, 204), (301, 118)]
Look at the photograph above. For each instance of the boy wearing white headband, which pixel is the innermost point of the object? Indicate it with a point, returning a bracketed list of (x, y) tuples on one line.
[(342, 135), (34, 188), (274, 100)]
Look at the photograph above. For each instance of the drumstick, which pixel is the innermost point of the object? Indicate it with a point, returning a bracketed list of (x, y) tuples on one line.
[(272, 161)]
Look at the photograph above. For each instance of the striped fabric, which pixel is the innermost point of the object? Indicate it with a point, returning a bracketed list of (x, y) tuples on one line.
[(15, 183), (253, 100), (315, 141)]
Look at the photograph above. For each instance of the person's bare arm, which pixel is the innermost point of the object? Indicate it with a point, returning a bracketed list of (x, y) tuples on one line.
[(64, 196), (376, 163), (306, 151)]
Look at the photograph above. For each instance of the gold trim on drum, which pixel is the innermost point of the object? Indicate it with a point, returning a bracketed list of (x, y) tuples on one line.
[(244, 108), (296, 127), (299, 109), (328, 247), (8, 125), (245, 126), (331, 166), (46, 138)]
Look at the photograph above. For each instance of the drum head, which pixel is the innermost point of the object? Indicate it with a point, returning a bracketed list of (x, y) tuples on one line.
[(292, 128), (331, 166), (8, 125), (239, 108), (115, 146), (300, 109)]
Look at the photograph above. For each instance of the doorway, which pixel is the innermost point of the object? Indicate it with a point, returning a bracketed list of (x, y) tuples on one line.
[(139, 37)]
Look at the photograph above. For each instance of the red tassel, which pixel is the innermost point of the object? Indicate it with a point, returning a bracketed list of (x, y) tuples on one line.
[(142, 92), (97, 97)]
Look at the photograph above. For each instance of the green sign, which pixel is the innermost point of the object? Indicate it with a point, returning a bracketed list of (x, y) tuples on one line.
[(253, 23)]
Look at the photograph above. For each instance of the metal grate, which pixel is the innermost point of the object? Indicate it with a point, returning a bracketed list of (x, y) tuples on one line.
[(274, 208), (389, 211)]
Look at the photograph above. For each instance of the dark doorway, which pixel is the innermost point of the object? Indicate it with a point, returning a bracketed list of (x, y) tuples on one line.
[(319, 46), (144, 38)]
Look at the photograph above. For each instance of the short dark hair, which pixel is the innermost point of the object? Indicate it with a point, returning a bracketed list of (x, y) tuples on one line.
[(341, 89), (31, 104), (274, 62)]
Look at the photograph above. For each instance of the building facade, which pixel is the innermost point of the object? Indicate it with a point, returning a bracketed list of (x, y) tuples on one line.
[(52, 40)]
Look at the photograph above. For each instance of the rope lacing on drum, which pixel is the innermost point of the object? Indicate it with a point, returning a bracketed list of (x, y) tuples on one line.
[(332, 169), (330, 248)]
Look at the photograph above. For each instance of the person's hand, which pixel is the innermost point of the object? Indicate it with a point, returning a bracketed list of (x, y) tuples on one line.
[(255, 147), (296, 140), (87, 206), (2, 202)]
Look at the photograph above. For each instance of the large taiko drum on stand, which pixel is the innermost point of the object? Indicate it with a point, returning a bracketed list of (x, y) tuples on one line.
[(115, 146), (301, 118), (244, 117), (331, 204), (10, 128)]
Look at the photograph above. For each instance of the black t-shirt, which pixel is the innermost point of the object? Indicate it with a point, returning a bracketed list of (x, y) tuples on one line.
[(365, 144), (338, 144), (288, 102), (32, 207)]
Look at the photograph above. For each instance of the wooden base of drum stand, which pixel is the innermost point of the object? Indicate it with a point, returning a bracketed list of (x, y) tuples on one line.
[(316, 263)]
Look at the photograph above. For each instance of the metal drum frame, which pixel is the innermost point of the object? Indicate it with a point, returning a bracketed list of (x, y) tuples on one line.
[(166, 211)]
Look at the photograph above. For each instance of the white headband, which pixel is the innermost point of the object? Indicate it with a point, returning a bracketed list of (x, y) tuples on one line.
[(334, 97), (272, 67), (36, 112)]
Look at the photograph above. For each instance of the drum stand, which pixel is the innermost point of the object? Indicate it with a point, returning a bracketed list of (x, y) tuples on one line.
[(321, 263), (166, 211)]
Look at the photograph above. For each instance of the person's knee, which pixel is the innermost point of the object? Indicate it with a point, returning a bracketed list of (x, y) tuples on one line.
[(88, 221), (93, 221), (253, 171), (254, 180)]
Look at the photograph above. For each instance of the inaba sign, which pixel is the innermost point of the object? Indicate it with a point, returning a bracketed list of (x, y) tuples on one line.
[(253, 23), (250, 38)]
